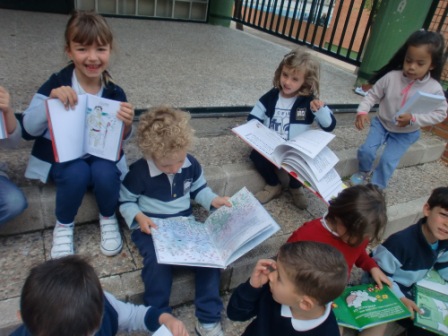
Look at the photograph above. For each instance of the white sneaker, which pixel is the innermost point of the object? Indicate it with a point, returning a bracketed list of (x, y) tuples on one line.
[(216, 330), (62, 241), (360, 91), (111, 242)]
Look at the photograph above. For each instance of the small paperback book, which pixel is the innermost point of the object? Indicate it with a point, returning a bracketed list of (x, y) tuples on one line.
[(431, 296), (364, 306), (306, 157), (227, 234), (421, 102), (91, 128), (3, 131)]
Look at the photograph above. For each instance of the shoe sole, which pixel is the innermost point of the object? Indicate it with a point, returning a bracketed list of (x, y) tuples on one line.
[(111, 253)]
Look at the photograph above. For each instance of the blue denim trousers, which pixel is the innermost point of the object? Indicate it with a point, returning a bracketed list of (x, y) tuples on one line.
[(72, 180), (158, 279), (12, 200), (395, 145)]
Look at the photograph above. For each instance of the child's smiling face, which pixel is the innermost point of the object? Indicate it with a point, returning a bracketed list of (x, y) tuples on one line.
[(436, 227)]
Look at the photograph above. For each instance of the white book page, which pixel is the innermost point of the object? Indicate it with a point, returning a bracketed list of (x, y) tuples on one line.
[(67, 128), (103, 132), (184, 241), (421, 102), (434, 281), (259, 137), (232, 228), (3, 131), (310, 143), (162, 331)]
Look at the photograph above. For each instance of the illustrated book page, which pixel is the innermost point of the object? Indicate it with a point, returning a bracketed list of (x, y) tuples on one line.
[(364, 306), (90, 128), (431, 296), (421, 102), (227, 234)]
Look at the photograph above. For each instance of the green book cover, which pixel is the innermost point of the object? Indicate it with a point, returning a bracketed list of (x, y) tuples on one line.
[(431, 296), (364, 306)]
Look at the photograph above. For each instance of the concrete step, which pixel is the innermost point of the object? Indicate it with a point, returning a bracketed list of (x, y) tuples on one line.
[(26, 240)]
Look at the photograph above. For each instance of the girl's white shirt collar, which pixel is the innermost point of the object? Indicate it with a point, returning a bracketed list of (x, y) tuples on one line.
[(304, 325), (325, 225), (78, 88)]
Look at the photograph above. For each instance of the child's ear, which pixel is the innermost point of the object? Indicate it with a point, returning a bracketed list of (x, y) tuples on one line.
[(306, 303), (426, 209), (19, 315)]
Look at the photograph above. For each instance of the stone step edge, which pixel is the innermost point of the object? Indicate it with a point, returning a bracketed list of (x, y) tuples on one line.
[(224, 180), (129, 287)]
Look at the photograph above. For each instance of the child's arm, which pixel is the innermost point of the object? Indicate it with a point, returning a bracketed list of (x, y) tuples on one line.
[(133, 317), (379, 277), (243, 304), (323, 115)]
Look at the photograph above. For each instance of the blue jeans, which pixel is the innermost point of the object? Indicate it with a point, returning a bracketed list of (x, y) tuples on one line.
[(396, 144), (72, 180), (158, 279), (12, 200)]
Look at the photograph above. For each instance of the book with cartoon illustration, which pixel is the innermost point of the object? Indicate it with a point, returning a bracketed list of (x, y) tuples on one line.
[(90, 128), (431, 296), (227, 234), (305, 157), (364, 306)]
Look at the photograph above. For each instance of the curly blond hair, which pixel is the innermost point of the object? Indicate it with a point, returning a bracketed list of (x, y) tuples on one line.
[(300, 60), (164, 130)]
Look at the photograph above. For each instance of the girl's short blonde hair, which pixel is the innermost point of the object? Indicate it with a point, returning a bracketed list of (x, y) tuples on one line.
[(300, 60), (163, 131)]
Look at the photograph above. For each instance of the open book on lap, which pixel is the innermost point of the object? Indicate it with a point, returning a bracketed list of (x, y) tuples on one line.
[(227, 234), (306, 157), (364, 306), (90, 128), (431, 296)]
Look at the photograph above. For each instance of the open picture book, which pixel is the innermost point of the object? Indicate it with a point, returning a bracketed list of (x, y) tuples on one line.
[(227, 234), (306, 157), (431, 296), (421, 102), (91, 128), (364, 306)]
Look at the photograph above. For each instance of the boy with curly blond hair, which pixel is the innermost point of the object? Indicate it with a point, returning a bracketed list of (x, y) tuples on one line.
[(161, 185)]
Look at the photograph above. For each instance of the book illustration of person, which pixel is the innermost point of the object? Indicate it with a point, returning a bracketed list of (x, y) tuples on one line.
[(95, 124)]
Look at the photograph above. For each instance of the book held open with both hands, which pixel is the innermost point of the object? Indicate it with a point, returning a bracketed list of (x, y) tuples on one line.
[(306, 157), (227, 234), (90, 128), (364, 306)]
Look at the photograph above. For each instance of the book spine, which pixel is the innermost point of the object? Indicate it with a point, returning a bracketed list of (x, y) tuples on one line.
[(50, 127), (3, 130)]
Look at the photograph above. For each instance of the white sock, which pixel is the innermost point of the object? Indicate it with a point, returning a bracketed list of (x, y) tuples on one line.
[(209, 326)]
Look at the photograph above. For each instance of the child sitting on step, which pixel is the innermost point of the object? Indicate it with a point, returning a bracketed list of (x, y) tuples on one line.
[(64, 297), (289, 109), (292, 295), (161, 185)]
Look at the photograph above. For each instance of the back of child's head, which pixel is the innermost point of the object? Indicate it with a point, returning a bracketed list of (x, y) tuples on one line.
[(317, 270), (362, 211), (87, 28), (439, 197), (62, 297), (163, 131), (435, 43), (301, 61)]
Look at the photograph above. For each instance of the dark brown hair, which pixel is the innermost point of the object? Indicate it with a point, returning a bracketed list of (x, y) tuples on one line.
[(439, 197), (316, 269), (62, 297), (362, 210)]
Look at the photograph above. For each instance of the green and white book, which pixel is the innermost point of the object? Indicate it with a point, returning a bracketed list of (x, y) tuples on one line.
[(364, 306), (431, 296)]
